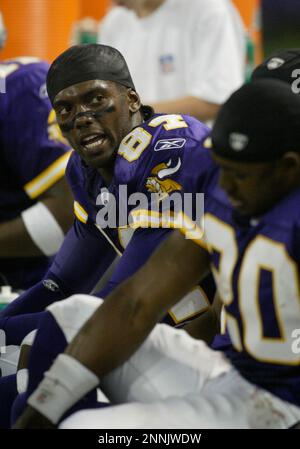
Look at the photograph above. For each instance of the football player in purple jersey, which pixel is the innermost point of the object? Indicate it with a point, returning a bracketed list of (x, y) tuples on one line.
[(35, 201), (160, 375), (118, 143)]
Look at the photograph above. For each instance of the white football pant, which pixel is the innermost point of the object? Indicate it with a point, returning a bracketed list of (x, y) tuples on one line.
[(173, 381)]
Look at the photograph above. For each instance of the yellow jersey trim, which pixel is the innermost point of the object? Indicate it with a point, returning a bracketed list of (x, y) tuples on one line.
[(80, 213), (48, 177), (144, 218), (190, 230)]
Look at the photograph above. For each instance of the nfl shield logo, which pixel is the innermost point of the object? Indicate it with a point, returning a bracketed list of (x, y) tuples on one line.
[(238, 141), (166, 63), (275, 63)]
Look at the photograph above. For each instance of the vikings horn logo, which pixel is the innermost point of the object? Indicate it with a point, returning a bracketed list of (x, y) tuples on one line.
[(159, 180)]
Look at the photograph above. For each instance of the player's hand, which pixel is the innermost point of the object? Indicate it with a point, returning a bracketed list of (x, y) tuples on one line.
[(32, 419)]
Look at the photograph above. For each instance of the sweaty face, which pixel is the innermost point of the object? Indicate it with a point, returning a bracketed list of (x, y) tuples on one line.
[(94, 117), (252, 188)]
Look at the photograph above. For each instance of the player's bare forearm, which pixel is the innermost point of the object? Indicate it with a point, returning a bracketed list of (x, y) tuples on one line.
[(15, 240), (127, 316), (59, 200), (201, 109), (32, 419)]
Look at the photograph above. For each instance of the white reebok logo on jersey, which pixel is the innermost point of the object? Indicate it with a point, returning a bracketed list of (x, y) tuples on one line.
[(238, 141), (50, 285), (169, 144)]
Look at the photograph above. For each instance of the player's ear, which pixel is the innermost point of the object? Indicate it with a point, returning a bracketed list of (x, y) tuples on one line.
[(291, 159), (290, 163), (134, 101)]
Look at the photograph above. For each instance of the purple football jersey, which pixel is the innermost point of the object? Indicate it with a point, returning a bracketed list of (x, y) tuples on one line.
[(256, 264), (161, 156), (33, 155), (157, 158)]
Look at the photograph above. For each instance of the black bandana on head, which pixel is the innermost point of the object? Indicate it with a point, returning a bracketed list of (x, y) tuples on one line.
[(259, 123), (84, 63), (281, 65)]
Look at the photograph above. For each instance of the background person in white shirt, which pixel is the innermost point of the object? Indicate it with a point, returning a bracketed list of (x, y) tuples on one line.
[(187, 56)]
